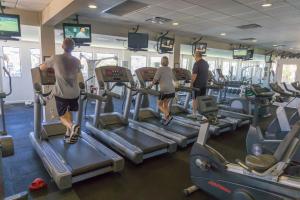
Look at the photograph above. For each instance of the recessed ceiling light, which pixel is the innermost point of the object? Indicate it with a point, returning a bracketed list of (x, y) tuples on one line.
[(267, 3), (175, 23), (92, 6), (223, 34)]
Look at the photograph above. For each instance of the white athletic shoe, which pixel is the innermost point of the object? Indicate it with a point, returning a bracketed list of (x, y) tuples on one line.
[(74, 133)]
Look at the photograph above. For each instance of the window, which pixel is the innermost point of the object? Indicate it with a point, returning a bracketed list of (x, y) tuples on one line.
[(155, 61), (288, 73), (35, 56), (83, 56), (138, 62), (226, 68), (13, 55), (108, 61), (211, 64)]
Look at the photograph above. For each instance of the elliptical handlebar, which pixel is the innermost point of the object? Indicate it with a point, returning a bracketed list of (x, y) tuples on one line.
[(9, 80)]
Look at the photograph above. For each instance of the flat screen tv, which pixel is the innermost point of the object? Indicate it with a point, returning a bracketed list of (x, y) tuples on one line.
[(166, 44), (250, 54), (138, 41), (10, 25), (80, 33), (199, 47), (240, 53)]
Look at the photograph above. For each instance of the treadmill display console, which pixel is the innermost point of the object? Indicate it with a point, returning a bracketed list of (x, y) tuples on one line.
[(182, 74), (148, 74), (43, 77), (113, 74), (48, 77)]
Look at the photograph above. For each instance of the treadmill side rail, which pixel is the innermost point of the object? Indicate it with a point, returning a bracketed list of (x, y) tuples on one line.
[(54, 164)]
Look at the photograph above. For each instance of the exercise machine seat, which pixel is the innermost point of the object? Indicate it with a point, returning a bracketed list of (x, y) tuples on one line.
[(261, 162)]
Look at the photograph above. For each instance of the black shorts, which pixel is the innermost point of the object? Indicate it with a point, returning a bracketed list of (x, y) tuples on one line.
[(166, 96), (200, 93), (64, 105)]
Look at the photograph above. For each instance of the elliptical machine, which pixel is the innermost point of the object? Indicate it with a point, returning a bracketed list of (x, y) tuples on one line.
[(266, 176)]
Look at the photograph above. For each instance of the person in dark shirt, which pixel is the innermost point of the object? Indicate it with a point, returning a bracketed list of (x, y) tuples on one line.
[(199, 79)]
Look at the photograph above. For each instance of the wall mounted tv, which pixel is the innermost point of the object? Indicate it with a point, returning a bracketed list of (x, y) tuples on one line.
[(199, 47), (240, 53), (80, 33), (165, 45), (9, 26), (138, 41)]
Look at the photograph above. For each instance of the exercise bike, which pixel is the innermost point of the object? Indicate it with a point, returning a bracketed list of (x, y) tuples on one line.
[(266, 176)]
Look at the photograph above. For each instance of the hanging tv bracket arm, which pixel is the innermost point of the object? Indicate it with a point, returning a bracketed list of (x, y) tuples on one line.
[(158, 41)]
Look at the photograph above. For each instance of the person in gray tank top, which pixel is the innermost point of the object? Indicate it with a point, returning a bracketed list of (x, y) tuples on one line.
[(165, 78), (66, 90)]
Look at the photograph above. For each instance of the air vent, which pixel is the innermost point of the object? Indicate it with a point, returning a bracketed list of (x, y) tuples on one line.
[(248, 39), (249, 26), (126, 7), (158, 20)]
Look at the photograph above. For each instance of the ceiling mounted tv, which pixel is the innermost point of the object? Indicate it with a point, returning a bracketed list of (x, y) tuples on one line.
[(250, 54), (10, 25), (80, 33), (138, 41), (166, 45), (240, 53), (199, 47)]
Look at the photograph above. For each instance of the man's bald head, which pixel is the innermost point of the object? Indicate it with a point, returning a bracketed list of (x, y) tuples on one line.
[(68, 45)]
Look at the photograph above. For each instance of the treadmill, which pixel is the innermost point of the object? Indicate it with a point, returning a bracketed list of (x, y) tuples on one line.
[(66, 163), (151, 119), (182, 113), (116, 130)]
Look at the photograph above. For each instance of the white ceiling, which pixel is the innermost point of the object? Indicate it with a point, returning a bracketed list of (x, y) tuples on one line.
[(280, 22), (34, 5)]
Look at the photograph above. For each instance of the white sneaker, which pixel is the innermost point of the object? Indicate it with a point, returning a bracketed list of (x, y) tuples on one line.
[(74, 133)]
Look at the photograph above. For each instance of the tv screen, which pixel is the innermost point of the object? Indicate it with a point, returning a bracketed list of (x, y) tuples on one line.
[(200, 47), (138, 41), (80, 33), (250, 54), (166, 44), (10, 25), (240, 53)]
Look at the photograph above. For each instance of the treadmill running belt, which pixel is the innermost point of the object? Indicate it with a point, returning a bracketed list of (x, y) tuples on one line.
[(146, 143), (175, 127), (81, 157)]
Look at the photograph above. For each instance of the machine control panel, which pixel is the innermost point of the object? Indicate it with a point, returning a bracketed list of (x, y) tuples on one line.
[(182, 74), (113, 74), (43, 77), (146, 73)]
